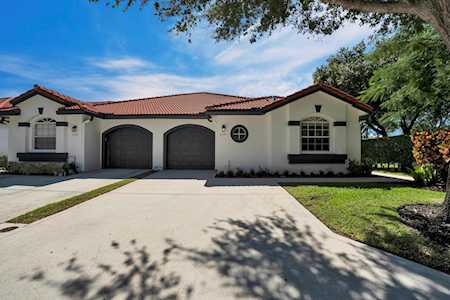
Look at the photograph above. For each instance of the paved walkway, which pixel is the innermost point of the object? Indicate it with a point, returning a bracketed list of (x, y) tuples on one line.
[(20, 194), (172, 236)]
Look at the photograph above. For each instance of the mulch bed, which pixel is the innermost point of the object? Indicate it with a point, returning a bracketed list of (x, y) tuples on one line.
[(428, 220)]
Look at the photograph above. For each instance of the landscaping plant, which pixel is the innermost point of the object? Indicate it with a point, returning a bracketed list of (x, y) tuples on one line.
[(431, 150)]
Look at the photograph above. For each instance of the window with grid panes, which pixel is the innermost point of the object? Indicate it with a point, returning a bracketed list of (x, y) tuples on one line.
[(45, 134), (315, 134)]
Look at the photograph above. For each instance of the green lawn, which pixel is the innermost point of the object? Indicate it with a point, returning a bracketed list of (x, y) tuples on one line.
[(368, 214)]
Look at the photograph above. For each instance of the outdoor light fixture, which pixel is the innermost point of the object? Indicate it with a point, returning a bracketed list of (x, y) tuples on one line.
[(318, 108), (224, 128), (41, 110), (74, 128)]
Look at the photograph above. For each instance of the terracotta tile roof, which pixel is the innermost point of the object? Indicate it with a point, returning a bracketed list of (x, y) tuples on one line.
[(246, 104), (181, 104), (190, 104), (4, 102)]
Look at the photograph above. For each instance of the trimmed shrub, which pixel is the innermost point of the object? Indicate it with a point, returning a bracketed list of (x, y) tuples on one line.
[(37, 168), (390, 150)]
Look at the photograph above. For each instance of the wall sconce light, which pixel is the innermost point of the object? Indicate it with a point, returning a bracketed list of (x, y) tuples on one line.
[(41, 110), (74, 128), (318, 108), (224, 127)]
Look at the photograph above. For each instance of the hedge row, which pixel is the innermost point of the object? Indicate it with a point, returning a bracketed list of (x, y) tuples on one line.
[(390, 150)]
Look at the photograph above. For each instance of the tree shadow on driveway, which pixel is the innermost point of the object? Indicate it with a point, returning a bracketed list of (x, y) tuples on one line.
[(138, 277), (272, 258), (268, 257)]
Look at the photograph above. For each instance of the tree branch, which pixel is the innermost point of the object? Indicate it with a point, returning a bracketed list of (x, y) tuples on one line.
[(384, 7)]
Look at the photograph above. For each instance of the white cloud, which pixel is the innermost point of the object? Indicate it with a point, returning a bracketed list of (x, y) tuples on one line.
[(277, 65), (121, 64)]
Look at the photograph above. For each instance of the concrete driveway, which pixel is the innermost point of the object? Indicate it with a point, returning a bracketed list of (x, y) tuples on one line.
[(170, 237), (20, 194)]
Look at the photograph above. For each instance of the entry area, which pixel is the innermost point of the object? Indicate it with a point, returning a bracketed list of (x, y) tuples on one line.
[(127, 146), (189, 147)]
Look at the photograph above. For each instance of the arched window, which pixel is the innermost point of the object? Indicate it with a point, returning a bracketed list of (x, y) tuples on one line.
[(45, 134), (315, 134)]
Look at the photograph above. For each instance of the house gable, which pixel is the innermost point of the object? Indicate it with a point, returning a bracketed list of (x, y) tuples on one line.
[(336, 93)]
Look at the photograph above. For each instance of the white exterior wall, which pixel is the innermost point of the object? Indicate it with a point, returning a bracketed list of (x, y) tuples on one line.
[(3, 139), (269, 142), (251, 154), (92, 145)]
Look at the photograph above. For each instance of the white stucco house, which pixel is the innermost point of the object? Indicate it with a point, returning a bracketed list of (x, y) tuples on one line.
[(317, 128)]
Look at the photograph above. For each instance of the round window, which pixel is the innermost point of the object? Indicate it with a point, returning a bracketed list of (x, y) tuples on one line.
[(239, 133)]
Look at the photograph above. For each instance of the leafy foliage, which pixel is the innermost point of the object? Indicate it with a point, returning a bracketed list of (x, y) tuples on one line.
[(425, 175), (350, 70), (28, 168), (363, 168), (3, 161), (411, 84), (255, 18), (432, 149), (389, 150)]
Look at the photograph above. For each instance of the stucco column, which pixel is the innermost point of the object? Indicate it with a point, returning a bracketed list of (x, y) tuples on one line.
[(353, 135), (158, 150), (61, 133)]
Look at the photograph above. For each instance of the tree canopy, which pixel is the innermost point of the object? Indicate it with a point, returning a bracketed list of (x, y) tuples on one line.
[(404, 78), (411, 84), (350, 70), (231, 19)]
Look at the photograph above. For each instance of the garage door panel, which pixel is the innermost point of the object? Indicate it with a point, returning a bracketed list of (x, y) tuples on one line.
[(190, 147), (129, 147)]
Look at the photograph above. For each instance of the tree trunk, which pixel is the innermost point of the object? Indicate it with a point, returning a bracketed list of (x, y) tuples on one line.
[(434, 12), (446, 208)]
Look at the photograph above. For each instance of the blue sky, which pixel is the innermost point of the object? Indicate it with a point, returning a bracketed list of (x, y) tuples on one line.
[(93, 52)]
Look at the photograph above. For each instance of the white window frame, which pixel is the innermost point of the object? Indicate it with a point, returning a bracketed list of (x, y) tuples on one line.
[(34, 134), (316, 119)]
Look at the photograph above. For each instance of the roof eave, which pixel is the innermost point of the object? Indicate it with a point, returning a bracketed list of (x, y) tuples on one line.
[(12, 112)]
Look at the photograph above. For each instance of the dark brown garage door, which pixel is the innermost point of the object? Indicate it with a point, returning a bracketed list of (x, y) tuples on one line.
[(127, 147), (189, 147)]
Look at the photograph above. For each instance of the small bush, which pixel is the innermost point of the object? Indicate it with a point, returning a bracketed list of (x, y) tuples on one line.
[(252, 173), (262, 173), (239, 173), (302, 173), (359, 169), (330, 174), (426, 175), (220, 174), (230, 173), (70, 168), (3, 161)]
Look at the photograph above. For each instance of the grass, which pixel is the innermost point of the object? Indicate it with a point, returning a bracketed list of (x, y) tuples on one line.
[(56, 207), (367, 213)]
